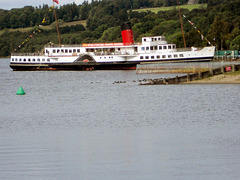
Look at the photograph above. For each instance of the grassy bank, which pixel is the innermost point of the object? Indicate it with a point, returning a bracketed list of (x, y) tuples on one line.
[(27, 29), (156, 10)]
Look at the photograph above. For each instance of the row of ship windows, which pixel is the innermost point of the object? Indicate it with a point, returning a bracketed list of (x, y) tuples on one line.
[(155, 39), (30, 60), (65, 51), (110, 57), (163, 56), (158, 47)]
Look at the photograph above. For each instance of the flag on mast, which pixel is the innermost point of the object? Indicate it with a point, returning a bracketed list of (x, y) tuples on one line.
[(56, 1)]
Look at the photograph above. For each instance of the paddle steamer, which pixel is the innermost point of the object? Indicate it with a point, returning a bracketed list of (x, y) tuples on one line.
[(107, 56)]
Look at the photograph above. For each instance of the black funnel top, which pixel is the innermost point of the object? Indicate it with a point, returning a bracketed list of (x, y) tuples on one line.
[(126, 26)]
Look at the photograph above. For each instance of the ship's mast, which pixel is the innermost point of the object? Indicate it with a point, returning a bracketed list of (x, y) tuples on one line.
[(181, 25)]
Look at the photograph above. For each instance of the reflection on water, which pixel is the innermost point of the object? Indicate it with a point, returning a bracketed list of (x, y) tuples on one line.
[(81, 125)]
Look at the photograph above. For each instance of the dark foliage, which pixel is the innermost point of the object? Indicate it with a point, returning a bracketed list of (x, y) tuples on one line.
[(219, 23)]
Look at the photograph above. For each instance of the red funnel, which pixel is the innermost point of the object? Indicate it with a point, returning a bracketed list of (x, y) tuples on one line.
[(127, 34)]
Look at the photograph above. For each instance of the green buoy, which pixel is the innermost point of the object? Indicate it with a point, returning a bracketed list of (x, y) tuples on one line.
[(20, 91)]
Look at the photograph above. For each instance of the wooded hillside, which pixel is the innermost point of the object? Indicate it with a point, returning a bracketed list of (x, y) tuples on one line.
[(218, 22)]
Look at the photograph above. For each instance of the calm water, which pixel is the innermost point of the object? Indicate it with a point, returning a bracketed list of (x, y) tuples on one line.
[(82, 125)]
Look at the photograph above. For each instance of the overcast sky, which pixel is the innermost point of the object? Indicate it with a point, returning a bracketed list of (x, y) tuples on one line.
[(9, 4)]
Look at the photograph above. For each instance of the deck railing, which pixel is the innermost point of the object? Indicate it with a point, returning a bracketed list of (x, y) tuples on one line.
[(62, 45), (189, 49), (27, 54)]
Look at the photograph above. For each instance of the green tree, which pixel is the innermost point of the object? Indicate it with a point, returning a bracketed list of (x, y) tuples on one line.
[(83, 11), (13, 21), (235, 43), (112, 34), (23, 20), (166, 28), (218, 32), (157, 3)]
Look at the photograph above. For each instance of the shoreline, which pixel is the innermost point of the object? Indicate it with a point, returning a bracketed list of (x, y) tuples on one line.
[(226, 78)]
